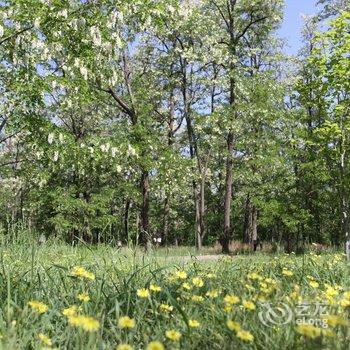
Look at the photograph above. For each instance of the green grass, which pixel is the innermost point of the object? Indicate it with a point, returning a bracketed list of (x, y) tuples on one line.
[(44, 273)]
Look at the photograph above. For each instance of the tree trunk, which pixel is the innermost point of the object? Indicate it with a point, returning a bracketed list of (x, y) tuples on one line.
[(166, 221), (198, 220), (344, 203), (126, 220), (247, 221), (202, 208), (225, 238), (145, 234)]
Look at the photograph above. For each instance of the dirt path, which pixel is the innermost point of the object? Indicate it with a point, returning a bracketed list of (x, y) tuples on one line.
[(193, 258)]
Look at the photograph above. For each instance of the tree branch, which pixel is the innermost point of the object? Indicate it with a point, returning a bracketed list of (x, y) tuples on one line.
[(252, 22)]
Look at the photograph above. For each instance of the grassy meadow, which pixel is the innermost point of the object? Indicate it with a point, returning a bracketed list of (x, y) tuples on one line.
[(56, 296)]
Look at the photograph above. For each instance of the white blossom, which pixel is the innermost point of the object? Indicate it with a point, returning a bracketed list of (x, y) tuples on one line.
[(50, 138), (55, 156), (84, 72), (96, 36)]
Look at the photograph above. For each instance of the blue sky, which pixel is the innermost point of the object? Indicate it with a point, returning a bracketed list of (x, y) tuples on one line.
[(292, 22)]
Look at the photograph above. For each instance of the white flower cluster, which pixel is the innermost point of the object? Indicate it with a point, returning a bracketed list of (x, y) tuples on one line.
[(96, 36)]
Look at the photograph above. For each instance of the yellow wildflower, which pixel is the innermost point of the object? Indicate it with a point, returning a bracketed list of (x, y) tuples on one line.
[(331, 292), (173, 335), (314, 284), (84, 297), (231, 299), (228, 308), (182, 275), (155, 288), (166, 307), (198, 282), (143, 293), (87, 323), (245, 335), (186, 286), (45, 339), (155, 345), (253, 276), (126, 322), (335, 320), (197, 298), (249, 305), (70, 311), (286, 272), (193, 323), (346, 295), (38, 306), (212, 293), (124, 347), (309, 330), (328, 333), (344, 303), (79, 271), (233, 326)]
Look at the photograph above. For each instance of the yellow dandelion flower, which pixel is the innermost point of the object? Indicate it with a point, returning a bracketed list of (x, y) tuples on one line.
[(233, 326), (228, 308), (346, 295), (173, 335), (124, 347), (38, 306), (87, 323), (84, 297), (186, 286), (155, 288), (79, 271), (309, 330), (245, 335), (253, 276), (143, 293), (331, 292), (313, 284), (193, 323), (286, 272), (198, 282), (344, 303), (166, 307), (155, 345), (126, 322), (70, 311), (212, 293), (328, 333), (231, 299), (197, 298), (182, 275), (249, 305), (45, 339), (335, 320)]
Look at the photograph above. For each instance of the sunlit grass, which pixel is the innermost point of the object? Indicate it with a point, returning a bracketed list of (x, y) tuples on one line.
[(100, 297)]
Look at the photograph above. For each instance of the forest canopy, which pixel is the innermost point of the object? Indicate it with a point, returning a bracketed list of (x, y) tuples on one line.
[(177, 122)]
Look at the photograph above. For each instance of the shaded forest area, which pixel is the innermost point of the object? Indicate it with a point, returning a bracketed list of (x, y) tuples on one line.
[(177, 122)]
